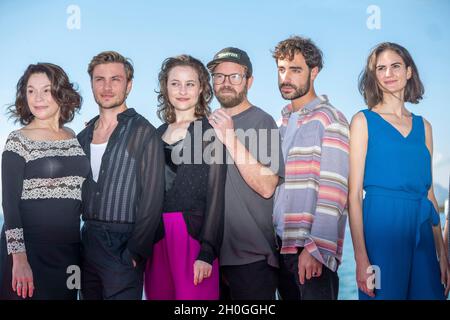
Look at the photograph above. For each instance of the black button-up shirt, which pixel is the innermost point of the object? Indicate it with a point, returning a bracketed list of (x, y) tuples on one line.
[(130, 185)]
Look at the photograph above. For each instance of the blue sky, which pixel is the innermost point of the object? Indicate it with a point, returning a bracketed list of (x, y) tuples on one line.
[(150, 31)]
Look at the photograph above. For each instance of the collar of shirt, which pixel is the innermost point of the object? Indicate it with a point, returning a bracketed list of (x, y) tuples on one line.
[(129, 113), (287, 110)]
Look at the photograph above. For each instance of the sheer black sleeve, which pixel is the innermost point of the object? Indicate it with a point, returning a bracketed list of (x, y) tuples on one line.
[(13, 168), (150, 201), (212, 230)]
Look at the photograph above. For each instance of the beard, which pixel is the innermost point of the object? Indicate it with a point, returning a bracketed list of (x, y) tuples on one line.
[(231, 101), (298, 91), (117, 102)]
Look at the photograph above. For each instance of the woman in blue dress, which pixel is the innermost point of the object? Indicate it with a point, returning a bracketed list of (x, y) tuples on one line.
[(397, 237), (447, 229)]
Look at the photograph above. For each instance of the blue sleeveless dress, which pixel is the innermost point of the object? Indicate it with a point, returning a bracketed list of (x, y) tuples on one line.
[(397, 215)]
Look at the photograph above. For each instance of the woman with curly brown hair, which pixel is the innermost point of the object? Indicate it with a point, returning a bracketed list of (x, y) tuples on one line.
[(43, 169), (184, 263)]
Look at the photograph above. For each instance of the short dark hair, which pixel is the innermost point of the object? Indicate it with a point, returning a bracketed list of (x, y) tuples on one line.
[(62, 90), (295, 44), (166, 112), (112, 57), (370, 88)]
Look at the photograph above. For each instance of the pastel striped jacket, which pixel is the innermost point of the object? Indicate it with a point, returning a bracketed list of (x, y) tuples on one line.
[(314, 194)]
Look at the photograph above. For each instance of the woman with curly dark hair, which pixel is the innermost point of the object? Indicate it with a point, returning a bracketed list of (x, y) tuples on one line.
[(43, 169), (184, 263)]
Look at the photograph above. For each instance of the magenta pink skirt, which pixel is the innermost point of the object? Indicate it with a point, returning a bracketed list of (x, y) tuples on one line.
[(169, 274)]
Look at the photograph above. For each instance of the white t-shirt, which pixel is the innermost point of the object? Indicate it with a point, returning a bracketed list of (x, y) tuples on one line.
[(97, 151)]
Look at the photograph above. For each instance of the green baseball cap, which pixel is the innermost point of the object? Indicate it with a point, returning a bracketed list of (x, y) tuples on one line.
[(231, 54)]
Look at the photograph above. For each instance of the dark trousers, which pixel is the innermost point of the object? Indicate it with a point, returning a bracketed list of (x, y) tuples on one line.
[(107, 271), (254, 281), (325, 287)]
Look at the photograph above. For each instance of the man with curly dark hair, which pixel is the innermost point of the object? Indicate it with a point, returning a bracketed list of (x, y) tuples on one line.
[(309, 207)]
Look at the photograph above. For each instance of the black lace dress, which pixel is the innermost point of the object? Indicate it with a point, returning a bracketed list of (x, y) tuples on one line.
[(41, 193)]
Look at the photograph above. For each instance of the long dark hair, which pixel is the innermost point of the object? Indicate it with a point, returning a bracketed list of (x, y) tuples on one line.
[(370, 88), (62, 90)]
